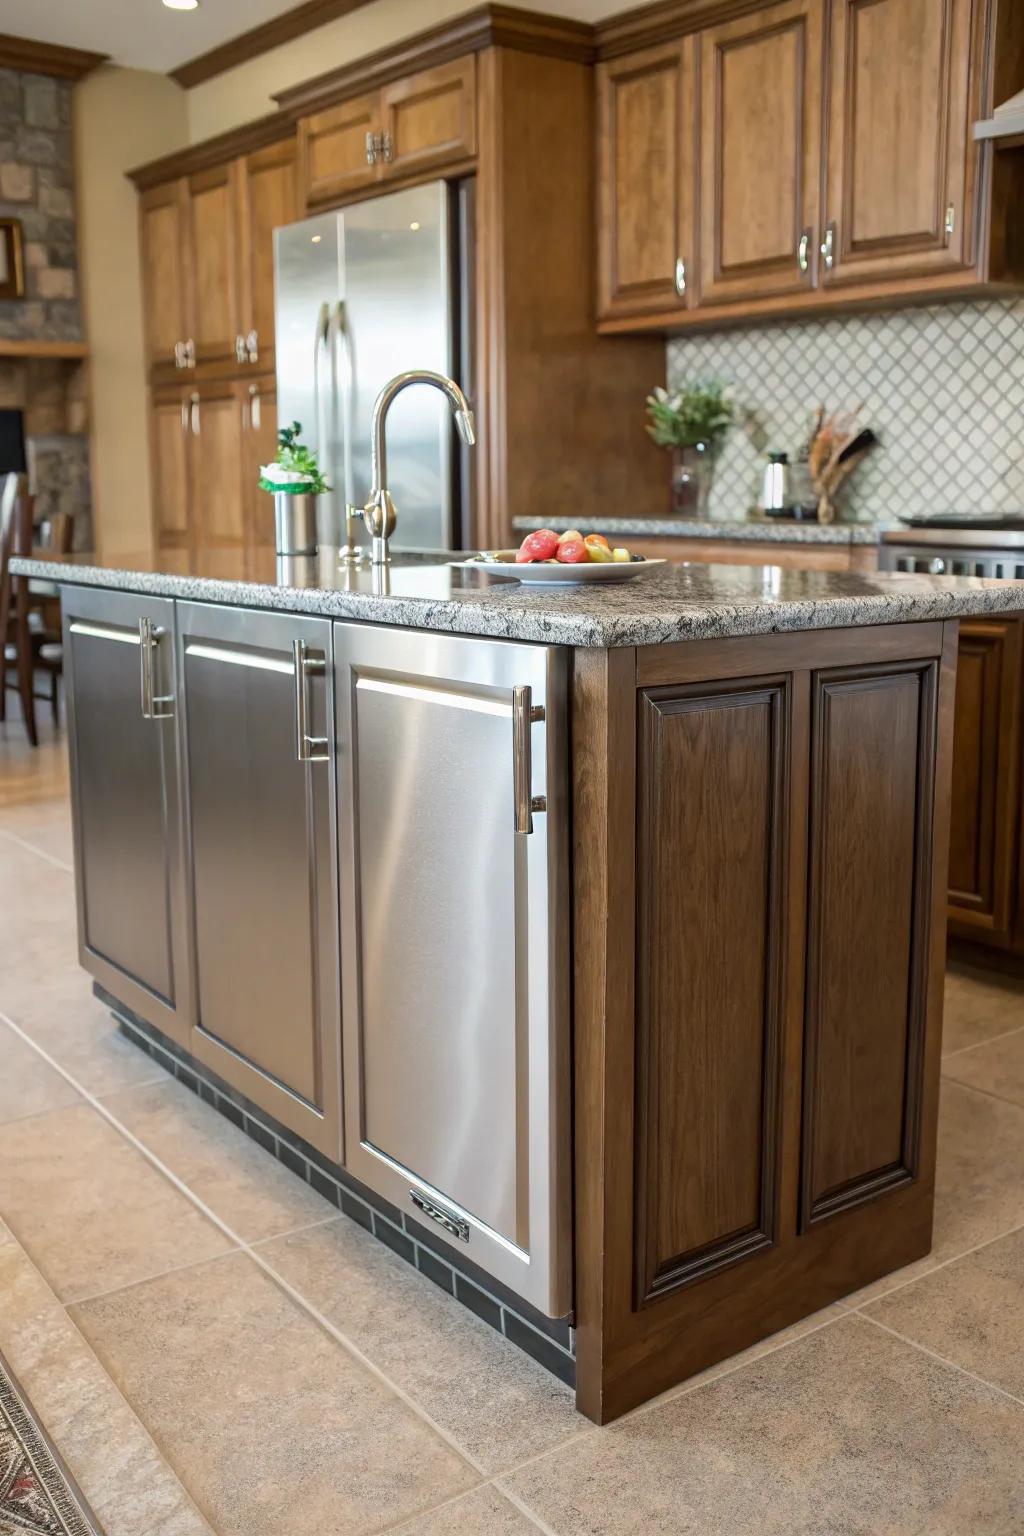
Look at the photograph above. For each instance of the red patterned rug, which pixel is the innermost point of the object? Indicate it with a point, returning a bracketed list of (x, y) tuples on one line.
[(37, 1493)]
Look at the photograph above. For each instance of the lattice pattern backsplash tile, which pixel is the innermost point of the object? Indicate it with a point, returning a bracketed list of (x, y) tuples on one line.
[(943, 387)]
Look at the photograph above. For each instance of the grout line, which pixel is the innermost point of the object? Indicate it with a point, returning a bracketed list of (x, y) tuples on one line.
[(307, 1226), (39, 852), (988, 1093), (524, 1509), (925, 1274), (943, 1360), (258, 1259), (980, 1044), (133, 1285)]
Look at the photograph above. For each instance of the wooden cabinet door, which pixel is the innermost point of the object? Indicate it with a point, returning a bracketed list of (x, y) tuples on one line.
[(213, 264), (169, 428), (266, 200), (162, 212), (646, 139), (430, 118), (986, 780), (259, 445), (216, 474), (897, 138), (760, 154), (335, 149)]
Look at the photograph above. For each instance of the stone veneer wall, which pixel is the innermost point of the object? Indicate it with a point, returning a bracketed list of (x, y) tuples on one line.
[(37, 187), (942, 386)]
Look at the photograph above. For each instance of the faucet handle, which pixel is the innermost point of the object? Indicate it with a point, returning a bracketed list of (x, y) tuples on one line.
[(379, 517)]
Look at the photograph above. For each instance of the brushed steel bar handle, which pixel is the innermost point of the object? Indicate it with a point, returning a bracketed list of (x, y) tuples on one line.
[(524, 714), (803, 251), (154, 706), (828, 247), (308, 749)]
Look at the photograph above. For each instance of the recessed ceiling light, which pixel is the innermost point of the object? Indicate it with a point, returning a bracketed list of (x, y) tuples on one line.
[(414, 226), (182, 5)]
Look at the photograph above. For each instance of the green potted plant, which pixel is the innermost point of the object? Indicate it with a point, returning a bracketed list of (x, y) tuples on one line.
[(295, 480), (692, 422)]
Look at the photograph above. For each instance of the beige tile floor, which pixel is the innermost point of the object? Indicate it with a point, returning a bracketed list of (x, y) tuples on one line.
[(215, 1350)]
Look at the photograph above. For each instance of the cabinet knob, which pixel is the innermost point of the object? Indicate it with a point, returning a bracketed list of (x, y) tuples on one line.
[(251, 347), (950, 220), (240, 348), (828, 247), (371, 149), (680, 276), (803, 251), (387, 148), (180, 355)]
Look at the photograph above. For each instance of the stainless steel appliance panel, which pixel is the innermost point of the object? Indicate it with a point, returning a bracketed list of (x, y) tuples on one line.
[(125, 802), (363, 294), (454, 944), (262, 858)]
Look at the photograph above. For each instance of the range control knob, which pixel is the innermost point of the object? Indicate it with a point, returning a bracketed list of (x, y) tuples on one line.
[(937, 566)]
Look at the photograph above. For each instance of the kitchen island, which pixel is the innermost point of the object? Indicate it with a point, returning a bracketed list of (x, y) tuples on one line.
[(343, 841)]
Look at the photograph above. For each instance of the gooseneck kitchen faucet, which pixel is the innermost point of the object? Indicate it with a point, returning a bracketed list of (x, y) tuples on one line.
[(379, 512)]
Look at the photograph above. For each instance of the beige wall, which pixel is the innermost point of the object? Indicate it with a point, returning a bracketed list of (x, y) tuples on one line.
[(245, 92), (122, 117)]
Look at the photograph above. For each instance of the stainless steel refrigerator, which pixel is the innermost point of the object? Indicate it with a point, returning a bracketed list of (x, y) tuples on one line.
[(363, 293)]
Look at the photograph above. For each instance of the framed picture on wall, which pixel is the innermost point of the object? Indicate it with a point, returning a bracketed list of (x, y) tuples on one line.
[(12, 267)]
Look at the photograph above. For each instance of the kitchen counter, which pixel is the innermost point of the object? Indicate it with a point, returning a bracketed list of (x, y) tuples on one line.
[(748, 530), (684, 602)]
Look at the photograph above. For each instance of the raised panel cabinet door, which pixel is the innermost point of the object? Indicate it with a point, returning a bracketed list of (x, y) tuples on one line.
[(169, 430), (123, 745), (430, 118), (985, 811), (267, 200), (711, 854), (213, 264), (164, 299), (336, 150), (646, 143), (760, 152), (868, 931), (259, 444), (216, 466), (898, 135), (262, 859)]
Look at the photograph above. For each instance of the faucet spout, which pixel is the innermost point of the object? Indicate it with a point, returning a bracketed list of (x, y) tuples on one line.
[(379, 513)]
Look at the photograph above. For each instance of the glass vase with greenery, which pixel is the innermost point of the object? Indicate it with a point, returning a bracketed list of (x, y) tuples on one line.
[(692, 421)]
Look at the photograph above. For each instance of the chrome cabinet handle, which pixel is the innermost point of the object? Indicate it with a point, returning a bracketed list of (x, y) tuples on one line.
[(240, 353), (828, 246), (371, 149), (680, 276), (251, 347), (255, 407), (154, 706), (180, 355), (194, 415), (184, 414), (308, 749), (950, 224), (803, 251), (524, 714), (188, 352), (387, 148)]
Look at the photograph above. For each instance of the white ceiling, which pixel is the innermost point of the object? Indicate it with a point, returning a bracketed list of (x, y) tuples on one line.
[(143, 34)]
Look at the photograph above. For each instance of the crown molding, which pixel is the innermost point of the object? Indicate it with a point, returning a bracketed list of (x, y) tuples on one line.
[(35, 58), (648, 25), (490, 26), (271, 34), (200, 157)]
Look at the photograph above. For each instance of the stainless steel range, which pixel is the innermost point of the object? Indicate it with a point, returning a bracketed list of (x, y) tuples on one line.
[(952, 544)]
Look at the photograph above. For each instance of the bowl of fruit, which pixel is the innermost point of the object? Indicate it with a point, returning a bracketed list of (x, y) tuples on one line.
[(564, 559)]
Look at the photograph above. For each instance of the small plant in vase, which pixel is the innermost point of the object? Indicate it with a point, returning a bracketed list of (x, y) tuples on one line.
[(692, 422), (295, 480)]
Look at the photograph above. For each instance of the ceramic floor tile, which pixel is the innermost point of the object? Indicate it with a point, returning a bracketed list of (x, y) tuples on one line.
[(27, 1085), (970, 1312), (484, 1512), (91, 1212), (256, 1195), (496, 1402), (269, 1423), (847, 1432), (979, 1185), (45, 827), (978, 1005), (994, 1068), (129, 1485), (766, 1346)]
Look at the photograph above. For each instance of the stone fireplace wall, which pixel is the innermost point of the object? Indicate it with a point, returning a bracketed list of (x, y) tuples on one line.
[(37, 188)]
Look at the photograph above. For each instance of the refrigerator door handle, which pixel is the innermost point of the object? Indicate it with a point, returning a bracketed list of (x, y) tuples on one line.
[(321, 339), (343, 334)]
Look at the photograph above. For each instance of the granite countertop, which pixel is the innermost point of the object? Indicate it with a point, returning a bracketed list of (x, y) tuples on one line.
[(676, 602), (756, 530)]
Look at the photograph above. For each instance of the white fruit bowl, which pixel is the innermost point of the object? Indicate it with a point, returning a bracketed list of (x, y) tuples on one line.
[(502, 562)]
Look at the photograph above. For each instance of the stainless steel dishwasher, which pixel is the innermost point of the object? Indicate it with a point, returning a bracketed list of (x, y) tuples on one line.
[(452, 790)]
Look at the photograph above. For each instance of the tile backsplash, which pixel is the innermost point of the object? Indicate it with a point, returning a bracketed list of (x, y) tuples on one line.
[(943, 387)]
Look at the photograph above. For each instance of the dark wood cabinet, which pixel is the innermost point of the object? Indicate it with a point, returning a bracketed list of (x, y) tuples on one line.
[(984, 883), (760, 152), (898, 139), (645, 128), (760, 877)]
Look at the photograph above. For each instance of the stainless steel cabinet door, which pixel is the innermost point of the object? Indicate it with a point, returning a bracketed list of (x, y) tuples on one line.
[(263, 861), (454, 951), (122, 733)]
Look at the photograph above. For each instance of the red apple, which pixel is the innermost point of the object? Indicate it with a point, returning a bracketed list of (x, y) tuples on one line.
[(539, 545), (571, 550)]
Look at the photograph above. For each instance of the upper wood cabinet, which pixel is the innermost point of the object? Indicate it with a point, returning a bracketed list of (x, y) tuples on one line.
[(267, 200), (645, 179), (897, 138), (760, 152), (412, 125), (211, 267), (162, 214)]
